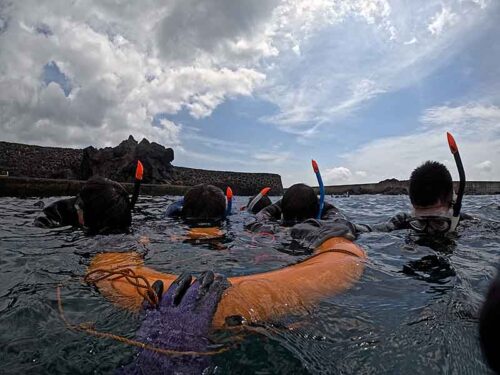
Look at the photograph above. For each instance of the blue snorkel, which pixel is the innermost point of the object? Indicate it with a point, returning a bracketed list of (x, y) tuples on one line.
[(229, 198), (321, 188)]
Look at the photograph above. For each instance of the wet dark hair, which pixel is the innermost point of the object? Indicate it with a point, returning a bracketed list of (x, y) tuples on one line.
[(106, 206), (204, 203), (429, 183), (261, 204), (299, 203)]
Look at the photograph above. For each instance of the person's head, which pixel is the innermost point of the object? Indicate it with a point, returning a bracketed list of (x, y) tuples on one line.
[(431, 188), (261, 204), (431, 195), (204, 203), (299, 203), (105, 206)]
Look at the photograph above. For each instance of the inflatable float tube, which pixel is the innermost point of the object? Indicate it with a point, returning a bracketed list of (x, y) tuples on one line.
[(333, 268)]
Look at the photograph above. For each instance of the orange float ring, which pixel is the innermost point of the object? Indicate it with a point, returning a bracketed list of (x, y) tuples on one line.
[(333, 268)]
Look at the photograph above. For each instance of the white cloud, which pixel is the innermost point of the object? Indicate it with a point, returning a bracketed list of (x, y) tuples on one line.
[(442, 19), (336, 175), (485, 166)]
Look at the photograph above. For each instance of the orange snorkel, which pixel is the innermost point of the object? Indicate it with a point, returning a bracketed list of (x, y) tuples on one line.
[(229, 198), (139, 172)]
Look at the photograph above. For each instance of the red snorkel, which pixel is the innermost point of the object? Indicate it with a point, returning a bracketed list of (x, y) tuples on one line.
[(139, 172), (457, 205)]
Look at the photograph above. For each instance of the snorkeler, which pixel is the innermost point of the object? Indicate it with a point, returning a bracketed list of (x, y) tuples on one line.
[(102, 206), (202, 204), (299, 203), (436, 207)]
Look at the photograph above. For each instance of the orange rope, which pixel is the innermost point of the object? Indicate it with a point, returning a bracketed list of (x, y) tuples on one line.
[(132, 278), (87, 328)]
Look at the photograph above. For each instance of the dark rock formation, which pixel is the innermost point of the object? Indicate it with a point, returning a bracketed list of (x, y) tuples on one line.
[(118, 163)]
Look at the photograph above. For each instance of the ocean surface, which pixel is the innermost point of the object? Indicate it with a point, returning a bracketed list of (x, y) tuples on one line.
[(415, 309)]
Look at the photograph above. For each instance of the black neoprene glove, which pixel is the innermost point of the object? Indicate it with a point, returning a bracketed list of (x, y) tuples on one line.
[(312, 233)]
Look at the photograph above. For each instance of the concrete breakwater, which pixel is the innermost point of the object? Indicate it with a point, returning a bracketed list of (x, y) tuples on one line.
[(36, 164), (395, 187)]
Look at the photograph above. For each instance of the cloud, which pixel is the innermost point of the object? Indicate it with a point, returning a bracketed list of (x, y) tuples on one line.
[(485, 166), (114, 73), (442, 19), (363, 50), (336, 175)]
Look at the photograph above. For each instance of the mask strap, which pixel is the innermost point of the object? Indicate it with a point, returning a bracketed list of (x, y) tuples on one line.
[(321, 188)]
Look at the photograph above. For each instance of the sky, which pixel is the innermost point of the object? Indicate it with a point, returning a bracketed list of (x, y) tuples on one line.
[(368, 88)]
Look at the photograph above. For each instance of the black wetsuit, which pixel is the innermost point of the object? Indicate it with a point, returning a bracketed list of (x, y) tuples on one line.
[(271, 215), (59, 214)]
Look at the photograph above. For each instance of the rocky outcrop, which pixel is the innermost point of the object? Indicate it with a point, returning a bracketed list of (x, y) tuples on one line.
[(118, 163)]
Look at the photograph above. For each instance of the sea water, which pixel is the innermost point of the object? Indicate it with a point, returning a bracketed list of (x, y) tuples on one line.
[(414, 310)]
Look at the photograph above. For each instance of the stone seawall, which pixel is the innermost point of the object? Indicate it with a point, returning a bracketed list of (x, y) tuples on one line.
[(40, 162), (241, 183), (37, 162)]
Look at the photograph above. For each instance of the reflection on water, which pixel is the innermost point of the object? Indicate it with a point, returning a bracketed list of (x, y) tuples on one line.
[(414, 311)]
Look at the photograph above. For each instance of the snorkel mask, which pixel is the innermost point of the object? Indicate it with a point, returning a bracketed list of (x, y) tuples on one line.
[(439, 221), (321, 188), (257, 199)]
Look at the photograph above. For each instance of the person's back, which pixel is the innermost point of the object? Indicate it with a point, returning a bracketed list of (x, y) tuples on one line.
[(202, 204), (298, 204), (102, 206)]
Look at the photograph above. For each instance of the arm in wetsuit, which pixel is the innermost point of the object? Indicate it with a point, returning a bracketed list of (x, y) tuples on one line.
[(330, 212), (59, 214), (312, 232), (397, 222), (266, 219), (174, 209)]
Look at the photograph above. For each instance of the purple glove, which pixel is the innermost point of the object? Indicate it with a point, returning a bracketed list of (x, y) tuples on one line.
[(181, 322)]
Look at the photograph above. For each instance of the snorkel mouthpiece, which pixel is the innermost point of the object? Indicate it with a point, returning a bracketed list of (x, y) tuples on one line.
[(139, 172), (321, 188), (229, 198), (257, 198), (457, 205)]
